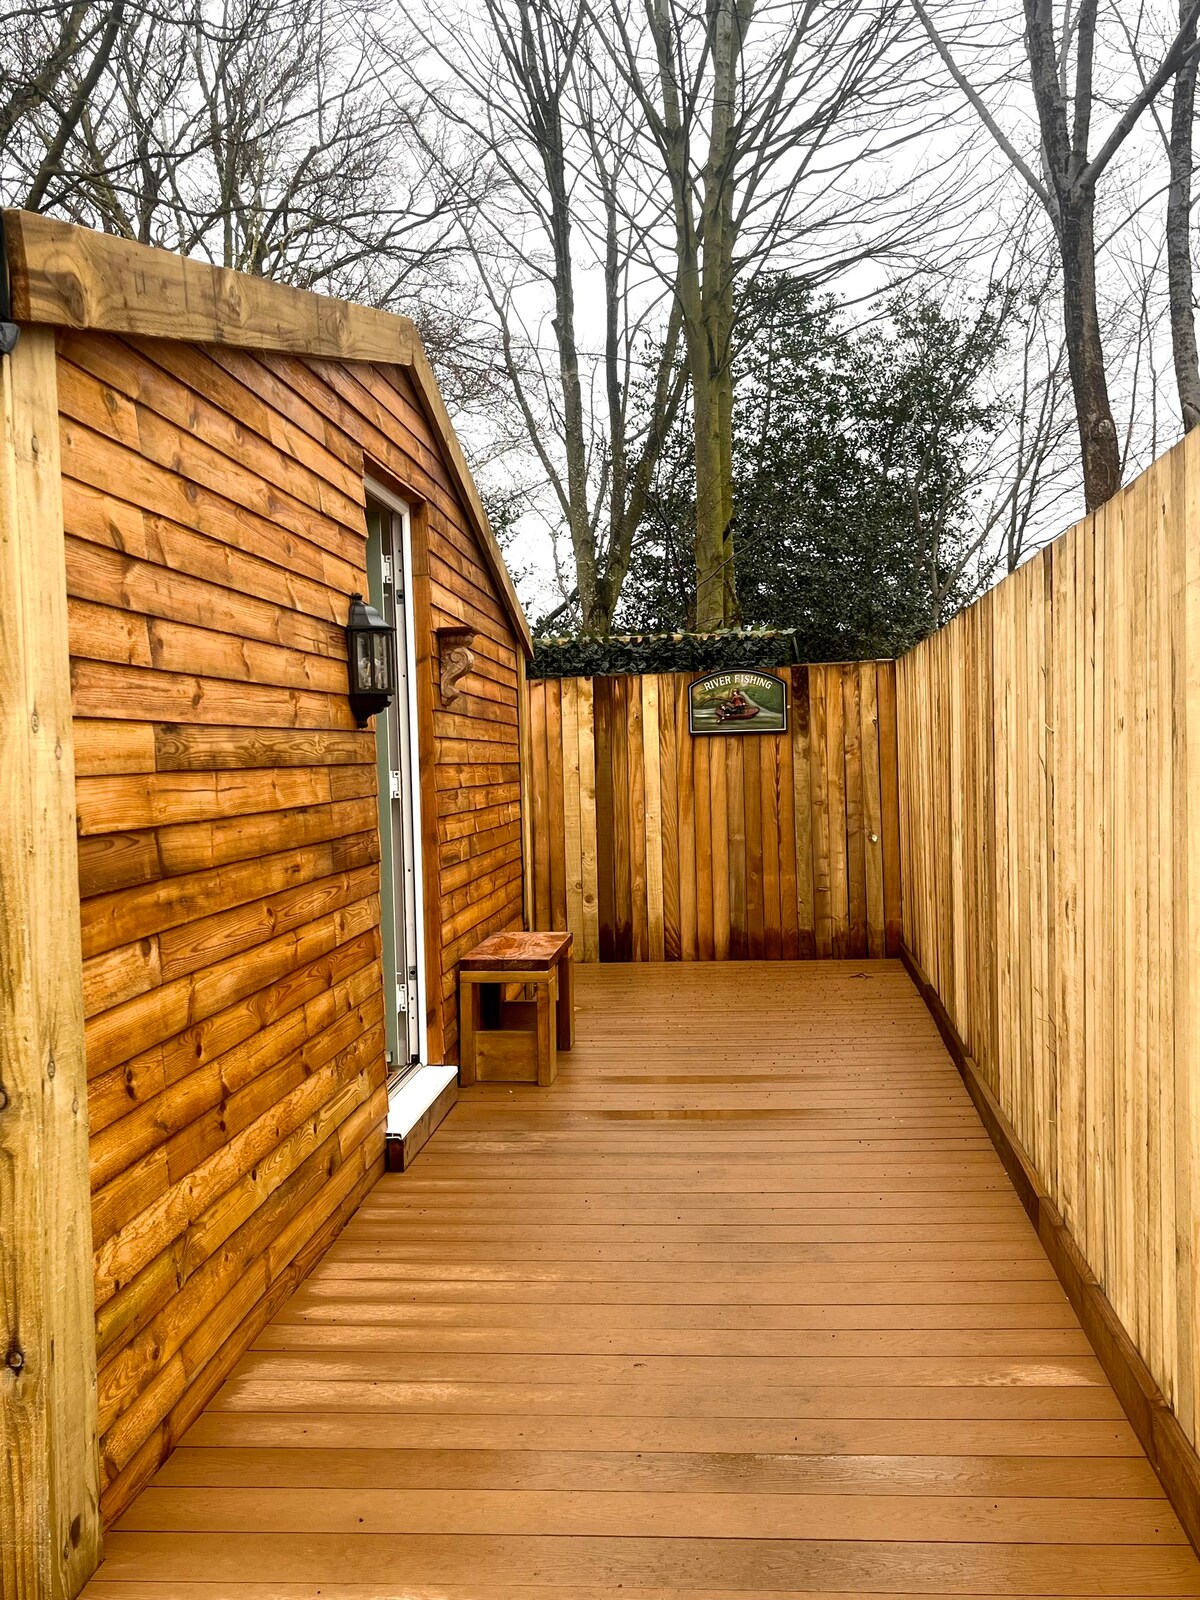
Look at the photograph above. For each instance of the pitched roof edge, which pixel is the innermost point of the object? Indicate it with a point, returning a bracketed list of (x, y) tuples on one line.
[(75, 277)]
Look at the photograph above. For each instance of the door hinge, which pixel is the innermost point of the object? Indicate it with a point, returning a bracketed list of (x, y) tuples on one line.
[(394, 785), (401, 1001), (388, 576)]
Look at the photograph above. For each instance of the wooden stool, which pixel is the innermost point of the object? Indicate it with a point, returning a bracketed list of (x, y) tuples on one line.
[(515, 1041)]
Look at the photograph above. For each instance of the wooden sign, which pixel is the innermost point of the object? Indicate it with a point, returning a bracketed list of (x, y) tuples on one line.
[(738, 702)]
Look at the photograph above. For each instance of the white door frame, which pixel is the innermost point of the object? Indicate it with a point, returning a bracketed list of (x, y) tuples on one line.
[(402, 538)]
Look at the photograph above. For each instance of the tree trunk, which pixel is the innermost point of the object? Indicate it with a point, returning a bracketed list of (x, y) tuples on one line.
[(1099, 449), (711, 524), (594, 614), (716, 583), (713, 491), (1179, 254), (716, 580), (730, 603)]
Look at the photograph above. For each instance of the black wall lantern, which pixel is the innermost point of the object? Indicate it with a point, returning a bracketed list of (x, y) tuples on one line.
[(372, 655)]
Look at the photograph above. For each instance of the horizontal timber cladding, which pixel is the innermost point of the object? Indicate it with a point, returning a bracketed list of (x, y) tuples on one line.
[(651, 844), (1050, 814), (228, 837)]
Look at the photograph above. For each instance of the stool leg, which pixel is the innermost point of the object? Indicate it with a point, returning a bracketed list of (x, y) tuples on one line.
[(547, 1052), (468, 1005), (566, 1002)]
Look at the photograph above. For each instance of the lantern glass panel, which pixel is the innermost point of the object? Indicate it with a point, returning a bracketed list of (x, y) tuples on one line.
[(383, 676), (362, 661)]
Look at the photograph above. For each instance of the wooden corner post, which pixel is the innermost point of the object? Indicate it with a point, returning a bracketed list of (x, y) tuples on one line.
[(526, 779), (49, 1467)]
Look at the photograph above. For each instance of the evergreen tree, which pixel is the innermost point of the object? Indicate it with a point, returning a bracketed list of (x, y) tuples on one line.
[(856, 464)]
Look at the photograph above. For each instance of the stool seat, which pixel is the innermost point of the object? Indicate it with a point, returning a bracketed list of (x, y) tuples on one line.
[(524, 952)]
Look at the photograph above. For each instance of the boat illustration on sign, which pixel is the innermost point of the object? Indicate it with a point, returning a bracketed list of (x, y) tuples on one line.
[(737, 708), (738, 702)]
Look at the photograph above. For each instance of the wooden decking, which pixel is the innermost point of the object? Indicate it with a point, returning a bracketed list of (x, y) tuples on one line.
[(743, 1306)]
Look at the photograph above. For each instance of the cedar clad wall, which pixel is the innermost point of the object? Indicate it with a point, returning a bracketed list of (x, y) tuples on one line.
[(228, 838)]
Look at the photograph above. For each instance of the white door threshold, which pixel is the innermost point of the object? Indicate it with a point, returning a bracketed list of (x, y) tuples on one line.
[(415, 1108)]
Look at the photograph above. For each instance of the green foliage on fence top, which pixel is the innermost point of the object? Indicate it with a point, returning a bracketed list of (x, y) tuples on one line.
[(618, 655)]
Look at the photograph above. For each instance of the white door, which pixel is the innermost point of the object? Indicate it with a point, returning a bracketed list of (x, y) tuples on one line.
[(399, 832)]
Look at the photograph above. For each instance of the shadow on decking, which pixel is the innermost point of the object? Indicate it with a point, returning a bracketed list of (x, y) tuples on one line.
[(743, 1303)]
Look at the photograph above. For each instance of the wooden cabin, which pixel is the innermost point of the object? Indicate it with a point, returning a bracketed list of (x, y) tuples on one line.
[(199, 469)]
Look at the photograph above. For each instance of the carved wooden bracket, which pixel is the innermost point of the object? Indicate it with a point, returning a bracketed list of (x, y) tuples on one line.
[(456, 659)]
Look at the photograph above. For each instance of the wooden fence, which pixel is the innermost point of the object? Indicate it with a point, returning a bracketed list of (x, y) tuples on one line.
[(1050, 815), (652, 845)]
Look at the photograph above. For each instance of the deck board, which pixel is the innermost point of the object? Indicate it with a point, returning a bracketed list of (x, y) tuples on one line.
[(743, 1306)]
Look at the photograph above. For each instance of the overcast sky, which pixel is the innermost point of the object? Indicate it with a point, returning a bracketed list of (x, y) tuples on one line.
[(981, 208)]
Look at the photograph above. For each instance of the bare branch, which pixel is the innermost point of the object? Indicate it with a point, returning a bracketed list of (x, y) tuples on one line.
[(985, 116)]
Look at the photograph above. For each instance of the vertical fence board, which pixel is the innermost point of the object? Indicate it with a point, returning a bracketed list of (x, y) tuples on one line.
[(1146, 1066), (818, 770), (789, 926), (720, 844), (543, 824), (622, 816), (872, 808), (606, 890), (589, 844), (802, 802), (1116, 584), (555, 805), (636, 756), (731, 756), (572, 804), (669, 788), (686, 799), (1187, 836), (770, 781), (835, 767), (1094, 899), (751, 873), (652, 789), (856, 885), (1170, 518), (705, 804), (1158, 988)]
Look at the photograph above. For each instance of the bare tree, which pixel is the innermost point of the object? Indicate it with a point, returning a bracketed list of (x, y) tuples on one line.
[(1029, 470), (1066, 187), (1177, 140), (565, 221), (42, 42), (1032, 473), (66, 113), (271, 136), (758, 113), (1179, 224), (652, 158)]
